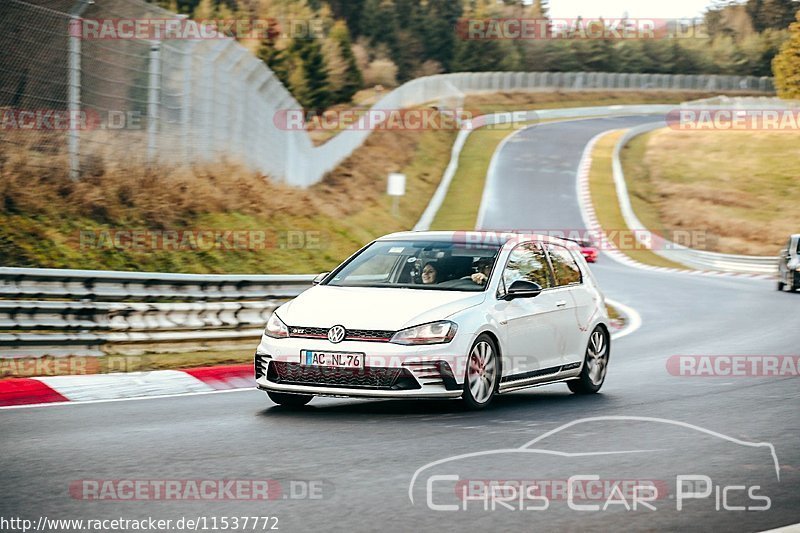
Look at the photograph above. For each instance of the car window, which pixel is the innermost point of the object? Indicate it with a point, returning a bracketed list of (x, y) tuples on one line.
[(381, 267), (528, 262), (418, 264), (565, 269)]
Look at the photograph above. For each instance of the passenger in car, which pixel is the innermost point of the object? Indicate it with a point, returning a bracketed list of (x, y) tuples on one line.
[(430, 273)]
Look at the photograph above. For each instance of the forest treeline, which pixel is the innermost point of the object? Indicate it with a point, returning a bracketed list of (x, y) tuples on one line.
[(363, 43)]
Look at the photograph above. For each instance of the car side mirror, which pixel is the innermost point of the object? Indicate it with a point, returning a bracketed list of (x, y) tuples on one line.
[(317, 280), (523, 289)]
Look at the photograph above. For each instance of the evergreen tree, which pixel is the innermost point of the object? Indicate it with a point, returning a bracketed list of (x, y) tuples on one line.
[(772, 14), (682, 60), (439, 33), (311, 86), (274, 57), (350, 11), (353, 80), (631, 57)]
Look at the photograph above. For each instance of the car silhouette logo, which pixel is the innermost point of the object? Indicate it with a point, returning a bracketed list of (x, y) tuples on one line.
[(532, 447), (336, 334)]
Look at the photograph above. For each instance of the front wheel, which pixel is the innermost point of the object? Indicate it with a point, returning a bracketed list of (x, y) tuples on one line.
[(593, 374), (482, 374), (289, 400)]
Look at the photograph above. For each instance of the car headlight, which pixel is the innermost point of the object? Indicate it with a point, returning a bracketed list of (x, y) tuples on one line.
[(276, 328), (433, 333)]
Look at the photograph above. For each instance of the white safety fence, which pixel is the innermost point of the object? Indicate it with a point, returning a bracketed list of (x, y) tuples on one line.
[(183, 101)]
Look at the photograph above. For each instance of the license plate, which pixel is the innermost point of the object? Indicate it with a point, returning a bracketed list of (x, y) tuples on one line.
[(333, 359)]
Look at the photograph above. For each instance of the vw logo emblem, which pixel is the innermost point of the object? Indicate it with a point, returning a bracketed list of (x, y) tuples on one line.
[(336, 334)]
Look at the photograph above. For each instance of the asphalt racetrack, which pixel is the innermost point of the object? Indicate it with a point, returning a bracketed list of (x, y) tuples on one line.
[(348, 465)]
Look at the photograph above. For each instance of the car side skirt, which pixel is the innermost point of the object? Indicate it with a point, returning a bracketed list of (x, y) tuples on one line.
[(544, 376)]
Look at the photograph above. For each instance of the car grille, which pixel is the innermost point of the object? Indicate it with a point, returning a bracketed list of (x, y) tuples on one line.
[(370, 335), (376, 378)]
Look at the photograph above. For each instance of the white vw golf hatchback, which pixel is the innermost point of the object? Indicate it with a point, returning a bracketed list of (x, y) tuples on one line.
[(440, 315)]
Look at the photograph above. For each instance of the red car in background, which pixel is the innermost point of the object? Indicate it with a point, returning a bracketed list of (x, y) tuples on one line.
[(588, 250)]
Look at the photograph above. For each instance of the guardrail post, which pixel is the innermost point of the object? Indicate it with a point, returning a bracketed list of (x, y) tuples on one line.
[(74, 88), (154, 88), (186, 104)]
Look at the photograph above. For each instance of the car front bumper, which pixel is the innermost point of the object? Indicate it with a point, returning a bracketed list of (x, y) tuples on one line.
[(390, 370)]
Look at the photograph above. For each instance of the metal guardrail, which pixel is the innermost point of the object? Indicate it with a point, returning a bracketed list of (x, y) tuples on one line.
[(696, 259), (99, 285), (83, 312)]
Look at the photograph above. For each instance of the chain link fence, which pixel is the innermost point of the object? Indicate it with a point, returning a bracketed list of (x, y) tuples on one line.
[(81, 106)]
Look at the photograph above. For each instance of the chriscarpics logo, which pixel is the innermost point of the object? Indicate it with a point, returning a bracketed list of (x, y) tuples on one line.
[(606, 464)]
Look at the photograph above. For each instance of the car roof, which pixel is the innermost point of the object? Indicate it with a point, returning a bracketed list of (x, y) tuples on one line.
[(581, 242), (473, 237)]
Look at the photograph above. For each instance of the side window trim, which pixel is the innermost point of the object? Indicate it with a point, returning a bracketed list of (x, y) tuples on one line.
[(577, 263), (550, 275), (553, 270)]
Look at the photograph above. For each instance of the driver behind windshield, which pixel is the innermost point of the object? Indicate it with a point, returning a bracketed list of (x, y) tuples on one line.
[(483, 269)]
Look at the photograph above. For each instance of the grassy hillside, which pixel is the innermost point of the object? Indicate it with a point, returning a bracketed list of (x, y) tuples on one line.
[(46, 220), (49, 221), (742, 188)]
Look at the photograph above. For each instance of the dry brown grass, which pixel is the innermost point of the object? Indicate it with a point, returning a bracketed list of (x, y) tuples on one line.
[(741, 188), (604, 199), (43, 212), (163, 196)]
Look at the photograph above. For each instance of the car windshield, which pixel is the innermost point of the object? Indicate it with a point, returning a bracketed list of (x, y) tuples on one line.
[(424, 265)]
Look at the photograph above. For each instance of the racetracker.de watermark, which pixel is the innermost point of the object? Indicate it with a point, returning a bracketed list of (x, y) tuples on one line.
[(611, 239), (58, 366), (545, 29), (64, 120), (734, 366), (171, 29), (199, 489), (399, 119), (579, 489), (191, 240), (734, 119)]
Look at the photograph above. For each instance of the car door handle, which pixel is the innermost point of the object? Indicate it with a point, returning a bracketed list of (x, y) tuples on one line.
[(561, 303)]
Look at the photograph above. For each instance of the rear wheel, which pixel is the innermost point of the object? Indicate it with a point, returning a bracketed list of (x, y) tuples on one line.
[(593, 374), (289, 400), (482, 374)]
